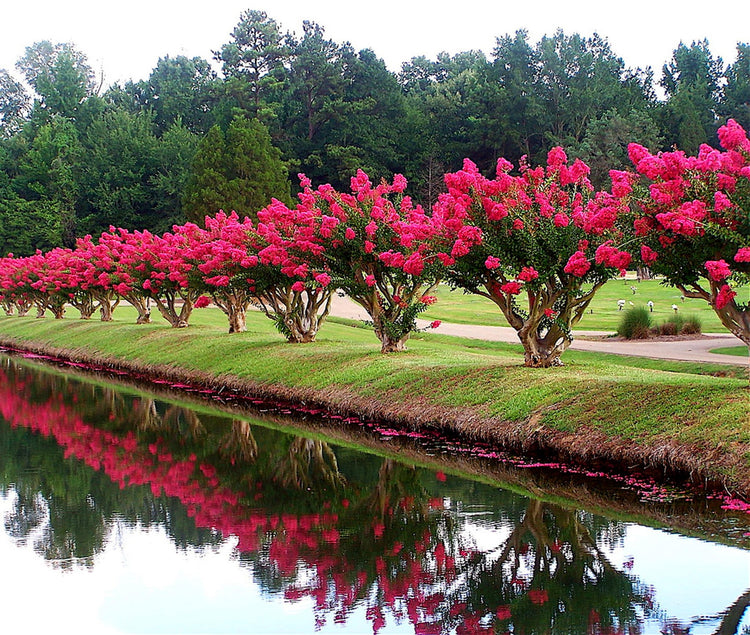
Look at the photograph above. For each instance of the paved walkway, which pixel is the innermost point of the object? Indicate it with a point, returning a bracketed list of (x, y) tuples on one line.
[(693, 350)]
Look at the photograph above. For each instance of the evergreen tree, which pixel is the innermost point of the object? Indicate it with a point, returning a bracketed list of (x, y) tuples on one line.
[(239, 170)]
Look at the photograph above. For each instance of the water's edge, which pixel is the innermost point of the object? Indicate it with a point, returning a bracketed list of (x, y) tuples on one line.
[(583, 450)]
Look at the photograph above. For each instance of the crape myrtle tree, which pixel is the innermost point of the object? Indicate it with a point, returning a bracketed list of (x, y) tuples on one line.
[(221, 258), (295, 293), (379, 248), (693, 215), (543, 236)]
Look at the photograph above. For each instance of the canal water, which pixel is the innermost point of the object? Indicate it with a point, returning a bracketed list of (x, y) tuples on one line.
[(129, 511)]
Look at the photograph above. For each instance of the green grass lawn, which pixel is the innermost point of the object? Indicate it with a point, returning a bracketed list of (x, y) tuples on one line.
[(739, 351), (603, 313)]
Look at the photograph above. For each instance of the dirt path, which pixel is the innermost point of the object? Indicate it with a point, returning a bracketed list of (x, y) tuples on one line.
[(693, 350)]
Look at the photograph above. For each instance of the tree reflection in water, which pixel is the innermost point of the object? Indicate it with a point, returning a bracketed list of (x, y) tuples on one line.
[(346, 530)]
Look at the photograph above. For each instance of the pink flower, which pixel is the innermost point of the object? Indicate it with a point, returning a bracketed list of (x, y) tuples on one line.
[(370, 281), (503, 612), (399, 183), (725, 296), (549, 313), (428, 299), (435, 324), (610, 256), (577, 265), (511, 288), (298, 286), (492, 262), (718, 270), (518, 224), (349, 234), (528, 274), (323, 279), (414, 264), (648, 255), (561, 220), (202, 301), (742, 255), (538, 596)]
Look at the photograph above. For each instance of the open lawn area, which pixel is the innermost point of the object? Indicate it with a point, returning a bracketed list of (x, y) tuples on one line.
[(603, 313)]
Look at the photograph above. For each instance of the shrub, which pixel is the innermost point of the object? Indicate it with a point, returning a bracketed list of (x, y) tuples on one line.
[(679, 325), (635, 324), (692, 326)]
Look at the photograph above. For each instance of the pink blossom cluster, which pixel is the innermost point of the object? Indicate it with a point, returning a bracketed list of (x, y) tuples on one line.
[(693, 215)]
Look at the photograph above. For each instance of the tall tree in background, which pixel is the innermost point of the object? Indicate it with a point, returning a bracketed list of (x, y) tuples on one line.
[(239, 170), (692, 82), (736, 102), (120, 164), (514, 69), (251, 61), (579, 79), (59, 75), (180, 88), (14, 104)]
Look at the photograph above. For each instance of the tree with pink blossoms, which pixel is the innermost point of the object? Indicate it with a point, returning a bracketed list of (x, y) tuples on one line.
[(13, 297), (377, 247), (92, 266), (692, 214), (223, 262), (151, 267), (542, 237), (291, 280), (119, 251)]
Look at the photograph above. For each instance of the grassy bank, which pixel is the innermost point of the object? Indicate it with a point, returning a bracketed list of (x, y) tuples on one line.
[(677, 416)]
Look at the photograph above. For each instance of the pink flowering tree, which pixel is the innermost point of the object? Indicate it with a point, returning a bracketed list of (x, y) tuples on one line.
[(91, 268), (118, 252), (538, 244), (13, 297), (222, 262), (377, 247), (692, 214), (163, 270), (150, 267), (38, 278), (292, 285)]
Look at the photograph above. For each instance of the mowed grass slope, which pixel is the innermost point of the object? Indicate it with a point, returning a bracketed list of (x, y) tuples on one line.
[(603, 314), (639, 406)]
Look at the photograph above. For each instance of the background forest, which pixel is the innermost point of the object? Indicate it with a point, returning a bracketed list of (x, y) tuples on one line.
[(198, 135)]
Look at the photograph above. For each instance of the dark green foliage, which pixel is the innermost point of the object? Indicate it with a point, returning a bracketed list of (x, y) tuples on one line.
[(238, 171), (635, 324)]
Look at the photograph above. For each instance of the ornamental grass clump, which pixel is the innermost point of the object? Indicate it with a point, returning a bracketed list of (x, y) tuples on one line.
[(635, 324)]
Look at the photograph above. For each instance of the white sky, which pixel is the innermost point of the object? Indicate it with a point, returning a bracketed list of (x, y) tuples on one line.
[(125, 39)]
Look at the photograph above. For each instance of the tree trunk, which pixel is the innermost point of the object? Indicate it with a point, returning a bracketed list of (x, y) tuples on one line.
[(390, 344), (23, 307), (107, 306), (142, 305), (58, 310), (86, 308), (542, 351), (8, 308), (237, 318)]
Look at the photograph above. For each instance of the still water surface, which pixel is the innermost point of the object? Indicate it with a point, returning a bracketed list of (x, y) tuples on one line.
[(124, 512)]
